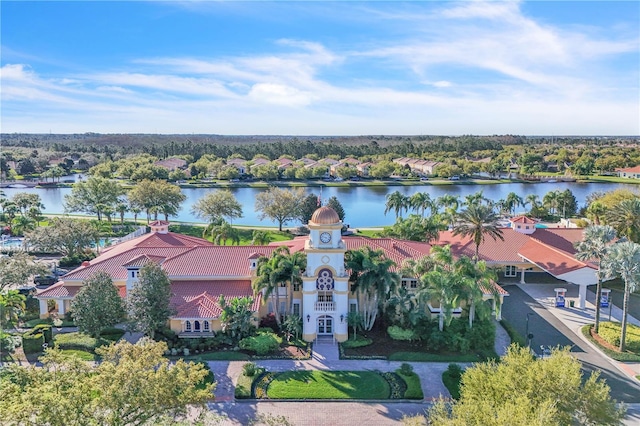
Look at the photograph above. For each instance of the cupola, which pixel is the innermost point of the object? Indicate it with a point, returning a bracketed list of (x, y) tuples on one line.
[(159, 226)]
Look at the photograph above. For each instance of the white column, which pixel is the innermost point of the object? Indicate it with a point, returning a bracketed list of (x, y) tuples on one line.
[(60, 306), (522, 276), (582, 294), (44, 310)]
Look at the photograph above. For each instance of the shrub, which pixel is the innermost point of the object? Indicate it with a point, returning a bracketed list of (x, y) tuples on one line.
[(32, 342), (261, 344), (269, 321), (79, 341), (8, 342), (399, 333), (406, 369), (249, 369), (451, 379), (358, 342), (46, 331), (611, 333)]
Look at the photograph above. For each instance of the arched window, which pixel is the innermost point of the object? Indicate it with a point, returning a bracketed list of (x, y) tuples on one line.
[(187, 326), (196, 326), (206, 326)]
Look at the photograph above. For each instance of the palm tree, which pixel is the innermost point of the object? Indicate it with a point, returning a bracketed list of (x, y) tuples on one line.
[(512, 202), (373, 280), (594, 246), (420, 201), (625, 218), (450, 204), (12, 304), (478, 221), (268, 281), (223, 232), (623, 259), (290, 267), (443, 286), (260, 238), (474, 199), (550, 201), (396, 202)]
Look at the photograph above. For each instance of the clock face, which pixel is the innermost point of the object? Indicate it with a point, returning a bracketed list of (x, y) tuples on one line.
[(325, 237)]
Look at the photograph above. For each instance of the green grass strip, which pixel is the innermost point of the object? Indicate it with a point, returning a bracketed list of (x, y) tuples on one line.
[(426, 357), (414, 390), (328, 385)]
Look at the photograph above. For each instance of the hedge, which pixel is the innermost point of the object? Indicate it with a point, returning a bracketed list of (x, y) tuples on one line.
[(45, 329), (261, 344), (32, 342), (80, 341)]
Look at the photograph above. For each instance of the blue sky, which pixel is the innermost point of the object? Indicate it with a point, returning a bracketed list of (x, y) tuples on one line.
[(321, 68)]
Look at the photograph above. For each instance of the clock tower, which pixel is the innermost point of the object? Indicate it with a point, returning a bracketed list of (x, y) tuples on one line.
[(325, 284)]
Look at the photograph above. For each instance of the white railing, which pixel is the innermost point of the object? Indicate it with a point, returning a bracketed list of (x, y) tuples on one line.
[(325, 306), (140, 231)]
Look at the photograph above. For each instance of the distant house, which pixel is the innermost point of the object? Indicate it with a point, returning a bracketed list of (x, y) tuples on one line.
[(239, 164), (425, 167), (629, 172), (308, 162), (363, 169), (172, 163), (284, 163), (259, 162)]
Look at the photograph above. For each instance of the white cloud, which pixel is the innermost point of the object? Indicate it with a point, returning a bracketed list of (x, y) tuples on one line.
[(279, 94)]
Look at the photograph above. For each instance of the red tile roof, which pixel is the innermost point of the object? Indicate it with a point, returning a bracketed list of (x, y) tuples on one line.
[(550, 259), (143, 259), (522, 219), (200, 299), (635, 169), (59, 290)]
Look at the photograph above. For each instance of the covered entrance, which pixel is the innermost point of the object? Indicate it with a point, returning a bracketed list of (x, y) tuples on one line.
[(325, 326)]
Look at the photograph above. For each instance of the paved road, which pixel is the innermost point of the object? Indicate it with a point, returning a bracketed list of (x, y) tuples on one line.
[(550, 331)]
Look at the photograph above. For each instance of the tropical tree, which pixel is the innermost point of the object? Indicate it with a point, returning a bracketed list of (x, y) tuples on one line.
[(280, 205), (156, 197), (551, 200), (260, 238), (26, 201), (71, 237), (446, 288), (396, 202), (512, 202), (237, 317), (476, 198), (292, 326), (16, 270), (594, 247), (149, 301), (97, 305), (12, 304), (268, 280), (223, 232), (335, 204), (624, 217), (421, 201), (93, 196), (623, 259), (308, 206), (291, 266), (478, 221), (415, 228), (216, 206), (372, 280), (521, 391), (354, 320)]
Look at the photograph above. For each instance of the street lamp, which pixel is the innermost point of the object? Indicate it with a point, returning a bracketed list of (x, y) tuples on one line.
[(529, 336)]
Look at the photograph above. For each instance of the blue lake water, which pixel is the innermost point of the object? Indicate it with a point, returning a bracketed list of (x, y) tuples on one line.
[(364, 206)]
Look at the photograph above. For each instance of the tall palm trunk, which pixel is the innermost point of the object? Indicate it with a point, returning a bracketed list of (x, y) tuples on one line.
[(623, 326), (596, 325)]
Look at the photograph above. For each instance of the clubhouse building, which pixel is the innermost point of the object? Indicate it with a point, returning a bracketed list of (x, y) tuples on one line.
[(200, 272)]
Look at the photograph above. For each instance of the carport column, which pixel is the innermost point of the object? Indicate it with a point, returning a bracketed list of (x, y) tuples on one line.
[(582, 296), (522, 276), (60, 306), (44, 309)]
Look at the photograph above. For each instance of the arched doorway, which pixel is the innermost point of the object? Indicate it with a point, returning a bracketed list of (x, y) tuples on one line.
[(325, 326)]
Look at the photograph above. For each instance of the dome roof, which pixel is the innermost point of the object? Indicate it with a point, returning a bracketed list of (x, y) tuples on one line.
[(325, 216)]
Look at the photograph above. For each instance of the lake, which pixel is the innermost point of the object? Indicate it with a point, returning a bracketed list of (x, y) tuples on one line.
[(364, 206)]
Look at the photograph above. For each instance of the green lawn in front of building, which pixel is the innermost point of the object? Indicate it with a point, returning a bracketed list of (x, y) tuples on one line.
[(328, 385)]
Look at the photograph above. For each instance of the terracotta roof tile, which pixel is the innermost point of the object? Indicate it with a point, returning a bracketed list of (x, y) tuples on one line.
[(199, 299), (522, 219), (550, 259), (59, 290)]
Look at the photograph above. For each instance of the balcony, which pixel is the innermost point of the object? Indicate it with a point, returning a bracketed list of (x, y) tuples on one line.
[(325, 306)]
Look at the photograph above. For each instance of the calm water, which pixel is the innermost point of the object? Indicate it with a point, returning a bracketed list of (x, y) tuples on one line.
[(364, 206)]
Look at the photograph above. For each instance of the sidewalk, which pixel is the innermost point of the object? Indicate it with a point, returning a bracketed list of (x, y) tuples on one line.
[(326, 358), (574, 318)]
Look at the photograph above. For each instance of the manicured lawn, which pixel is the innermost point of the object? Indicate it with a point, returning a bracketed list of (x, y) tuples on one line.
[(328, 385), (83, 355), (414, 390)]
